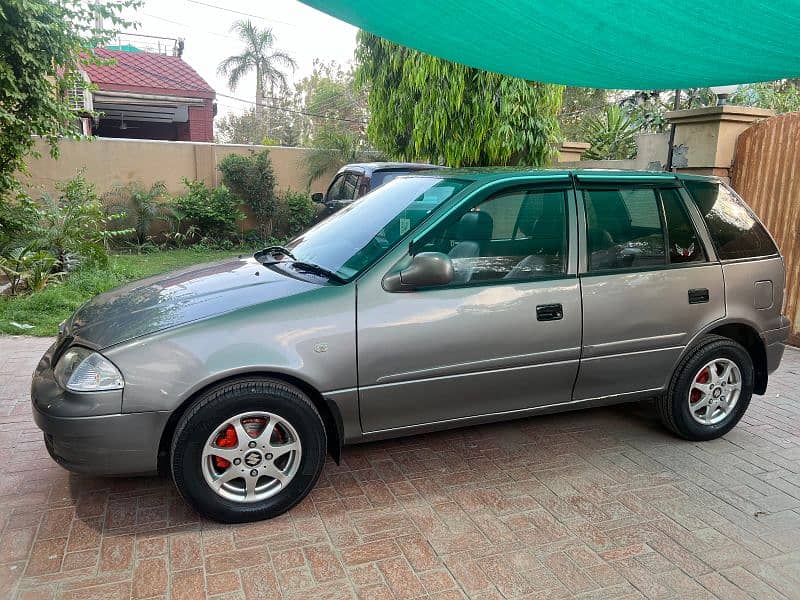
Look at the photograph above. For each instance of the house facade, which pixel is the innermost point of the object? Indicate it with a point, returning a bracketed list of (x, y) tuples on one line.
[(149, 95)]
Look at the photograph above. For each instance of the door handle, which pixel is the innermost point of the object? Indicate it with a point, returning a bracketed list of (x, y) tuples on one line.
[(549, 312), (698, 296)]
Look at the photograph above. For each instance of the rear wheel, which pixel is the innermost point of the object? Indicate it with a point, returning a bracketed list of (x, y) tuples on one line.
[(248, 449), (709, 391)]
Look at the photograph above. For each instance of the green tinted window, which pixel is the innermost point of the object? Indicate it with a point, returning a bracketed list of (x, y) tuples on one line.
[(734, 229), (513, 235), (624, 229)]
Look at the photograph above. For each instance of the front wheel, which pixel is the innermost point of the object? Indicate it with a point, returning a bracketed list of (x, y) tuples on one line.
[(709, 391), (247, 450)]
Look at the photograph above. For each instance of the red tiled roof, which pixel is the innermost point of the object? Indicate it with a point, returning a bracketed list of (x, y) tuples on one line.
[(139, 71)]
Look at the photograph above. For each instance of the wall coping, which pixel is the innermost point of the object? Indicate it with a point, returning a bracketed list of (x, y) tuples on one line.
[(711, 114)]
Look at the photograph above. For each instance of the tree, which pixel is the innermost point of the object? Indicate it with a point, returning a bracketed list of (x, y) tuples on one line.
[(426, 108), (781, 96), (332, 101), (577, 103), (43, 45), (260, 56), (611, 133), (332, 149), (247, 128)]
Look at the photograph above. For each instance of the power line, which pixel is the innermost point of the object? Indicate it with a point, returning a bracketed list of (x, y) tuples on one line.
[(297, 112), (186, 27), (238, 12)]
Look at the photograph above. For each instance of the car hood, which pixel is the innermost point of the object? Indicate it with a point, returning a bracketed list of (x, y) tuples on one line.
[(176, 298)]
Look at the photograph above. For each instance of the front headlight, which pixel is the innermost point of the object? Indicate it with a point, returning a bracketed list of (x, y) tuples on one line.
[(81, 370)]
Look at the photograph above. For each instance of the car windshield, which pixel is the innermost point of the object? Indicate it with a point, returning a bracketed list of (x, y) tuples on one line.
[(355, 237)]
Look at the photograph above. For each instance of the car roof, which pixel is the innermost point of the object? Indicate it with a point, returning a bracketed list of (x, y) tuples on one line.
[(367, 168), (486, 174)]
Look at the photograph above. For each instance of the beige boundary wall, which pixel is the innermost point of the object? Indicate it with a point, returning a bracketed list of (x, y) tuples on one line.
[(109, 162)]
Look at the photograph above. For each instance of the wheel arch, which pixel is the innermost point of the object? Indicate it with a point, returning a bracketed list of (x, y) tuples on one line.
[(328, 410), (747, 335)]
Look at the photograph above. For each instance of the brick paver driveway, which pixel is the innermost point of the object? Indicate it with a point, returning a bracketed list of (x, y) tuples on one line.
[(597, 504)]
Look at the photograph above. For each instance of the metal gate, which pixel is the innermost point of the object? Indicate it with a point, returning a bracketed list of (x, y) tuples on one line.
[(766, 173)]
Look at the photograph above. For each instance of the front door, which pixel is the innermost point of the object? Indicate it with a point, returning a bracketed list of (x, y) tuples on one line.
[(648, 286), (503, 337)]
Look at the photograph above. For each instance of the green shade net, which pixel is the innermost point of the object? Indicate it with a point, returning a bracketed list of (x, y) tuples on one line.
[(607, 44)]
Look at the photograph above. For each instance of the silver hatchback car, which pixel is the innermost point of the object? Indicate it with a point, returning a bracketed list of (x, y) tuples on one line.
[(439, 300)]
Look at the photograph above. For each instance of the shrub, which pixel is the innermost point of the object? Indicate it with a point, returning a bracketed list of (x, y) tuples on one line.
[(74, 225), (142, 206), (251, 179), (213, 212), (297, 212)]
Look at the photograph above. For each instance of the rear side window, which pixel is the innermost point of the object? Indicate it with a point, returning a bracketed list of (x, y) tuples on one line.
[(735, 231), (624, 229)]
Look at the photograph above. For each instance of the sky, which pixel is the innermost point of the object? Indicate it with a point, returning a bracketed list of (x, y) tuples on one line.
[(301, 31)]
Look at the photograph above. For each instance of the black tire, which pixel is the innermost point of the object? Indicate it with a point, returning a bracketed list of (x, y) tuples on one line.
[(673, 407), (227, 400)]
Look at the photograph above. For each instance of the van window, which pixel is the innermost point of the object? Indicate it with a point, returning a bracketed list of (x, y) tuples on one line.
[(733, 227), (624, 229)]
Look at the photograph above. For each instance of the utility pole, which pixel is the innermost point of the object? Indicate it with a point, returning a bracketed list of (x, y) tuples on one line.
[(98, 15), (675, 106)]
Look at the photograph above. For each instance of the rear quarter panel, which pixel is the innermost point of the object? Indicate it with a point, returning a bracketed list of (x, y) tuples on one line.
[(745, 289)]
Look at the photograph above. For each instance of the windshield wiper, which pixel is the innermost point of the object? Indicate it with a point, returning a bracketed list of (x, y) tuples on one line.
[(273, 252), (316, 270)]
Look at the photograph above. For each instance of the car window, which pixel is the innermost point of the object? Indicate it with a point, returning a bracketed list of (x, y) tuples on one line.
[(733, 227), (361, 232), (334, 190), (344, 187), (684, 244), (513, 235), (380, 177), (624, 229)]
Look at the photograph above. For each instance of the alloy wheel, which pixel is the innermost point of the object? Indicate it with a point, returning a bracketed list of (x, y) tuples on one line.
[(714, 391), (251, 457)]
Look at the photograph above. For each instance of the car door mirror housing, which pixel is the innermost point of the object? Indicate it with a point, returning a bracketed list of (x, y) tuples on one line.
[(425, 270), (318, 197)]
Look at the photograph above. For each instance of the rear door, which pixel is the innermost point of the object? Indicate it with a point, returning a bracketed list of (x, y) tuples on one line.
[(647, 284)]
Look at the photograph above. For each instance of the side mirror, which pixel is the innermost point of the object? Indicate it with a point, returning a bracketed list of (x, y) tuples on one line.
[(426, 269), (318, 197)]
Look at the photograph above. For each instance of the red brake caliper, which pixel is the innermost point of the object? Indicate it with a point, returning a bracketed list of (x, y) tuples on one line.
[(702, 377), (226, 439)]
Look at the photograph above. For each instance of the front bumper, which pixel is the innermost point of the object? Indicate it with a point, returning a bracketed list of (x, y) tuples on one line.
[(87, 433)]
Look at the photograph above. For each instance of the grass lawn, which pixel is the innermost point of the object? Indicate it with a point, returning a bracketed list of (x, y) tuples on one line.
[(46, 309)]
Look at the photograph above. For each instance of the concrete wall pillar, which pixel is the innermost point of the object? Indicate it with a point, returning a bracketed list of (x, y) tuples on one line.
[(705, 138), (571, 151), (205, 164)]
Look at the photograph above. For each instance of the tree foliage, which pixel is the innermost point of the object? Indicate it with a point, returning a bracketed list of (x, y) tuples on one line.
[(259, 55), (43, 45), (426, 108), (781, 96), (578, 103), (252, 181), (248, 128)]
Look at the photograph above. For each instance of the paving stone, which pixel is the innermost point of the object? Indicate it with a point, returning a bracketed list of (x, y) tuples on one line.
[(596, 504)]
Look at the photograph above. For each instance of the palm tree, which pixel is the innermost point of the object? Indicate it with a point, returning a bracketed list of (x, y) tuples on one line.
[(260, 56)]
